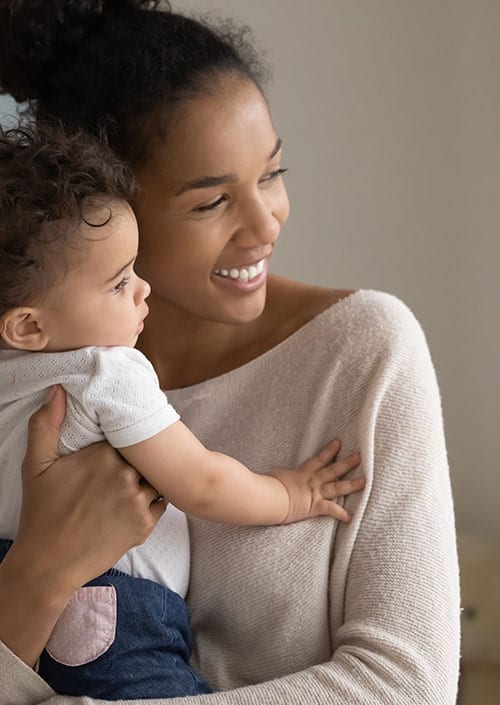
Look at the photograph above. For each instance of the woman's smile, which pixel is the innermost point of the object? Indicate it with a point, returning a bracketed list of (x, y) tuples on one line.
[(246, 273), (245, 279)]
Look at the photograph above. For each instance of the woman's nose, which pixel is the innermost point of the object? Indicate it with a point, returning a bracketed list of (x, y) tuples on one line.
[(259, 224)]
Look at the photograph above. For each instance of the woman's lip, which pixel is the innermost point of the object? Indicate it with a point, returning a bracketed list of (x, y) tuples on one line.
[(245, 287)]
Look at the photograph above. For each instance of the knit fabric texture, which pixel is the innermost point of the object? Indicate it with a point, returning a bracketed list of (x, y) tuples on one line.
[(320, 612)]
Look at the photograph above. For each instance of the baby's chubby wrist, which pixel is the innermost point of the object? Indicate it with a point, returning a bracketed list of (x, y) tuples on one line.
[(288, 481)]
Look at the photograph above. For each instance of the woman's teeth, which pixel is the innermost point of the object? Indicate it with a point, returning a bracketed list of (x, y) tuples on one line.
[(245, 274)]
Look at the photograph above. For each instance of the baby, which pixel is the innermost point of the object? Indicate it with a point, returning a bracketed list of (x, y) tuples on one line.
[(71, 310)]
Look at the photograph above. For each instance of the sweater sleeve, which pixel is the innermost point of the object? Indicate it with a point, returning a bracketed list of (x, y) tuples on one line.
[(395, 622), (396, 637)]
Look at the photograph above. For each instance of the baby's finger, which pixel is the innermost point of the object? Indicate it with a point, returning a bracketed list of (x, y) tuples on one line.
[(332, 509), (325, 456), (341, 488), (340, 467)]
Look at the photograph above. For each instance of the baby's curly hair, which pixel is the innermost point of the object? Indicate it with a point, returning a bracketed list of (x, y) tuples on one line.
[(50, 183)]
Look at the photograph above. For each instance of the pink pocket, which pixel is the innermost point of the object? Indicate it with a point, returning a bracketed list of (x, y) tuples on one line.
[(87, 627)]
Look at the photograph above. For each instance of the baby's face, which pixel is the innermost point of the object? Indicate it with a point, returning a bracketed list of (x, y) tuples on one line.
[(102, 300)]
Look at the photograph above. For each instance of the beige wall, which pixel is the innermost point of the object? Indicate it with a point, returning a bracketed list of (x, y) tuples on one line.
[(390, 114)]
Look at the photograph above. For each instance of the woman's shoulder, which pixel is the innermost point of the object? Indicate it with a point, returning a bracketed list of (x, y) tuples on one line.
[(381, 313), (364, 330), (375, 314), (300, 302)]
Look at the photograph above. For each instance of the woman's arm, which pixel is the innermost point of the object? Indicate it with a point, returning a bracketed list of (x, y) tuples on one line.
[(75, 523)]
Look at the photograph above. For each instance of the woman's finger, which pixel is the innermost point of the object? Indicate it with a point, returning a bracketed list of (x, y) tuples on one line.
[(151, 493), (157, 508), (43, 433)]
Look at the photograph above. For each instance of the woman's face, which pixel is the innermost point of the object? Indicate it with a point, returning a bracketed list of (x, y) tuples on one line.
[(211, 207)]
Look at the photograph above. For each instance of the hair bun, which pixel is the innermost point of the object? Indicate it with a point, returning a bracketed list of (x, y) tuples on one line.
[(33, 32)]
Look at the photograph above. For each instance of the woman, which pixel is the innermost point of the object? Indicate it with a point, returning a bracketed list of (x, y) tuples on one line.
[(260, 367)]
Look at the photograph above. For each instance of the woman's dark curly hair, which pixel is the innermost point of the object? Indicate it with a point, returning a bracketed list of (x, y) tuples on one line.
[(122, 64), (50, 183)]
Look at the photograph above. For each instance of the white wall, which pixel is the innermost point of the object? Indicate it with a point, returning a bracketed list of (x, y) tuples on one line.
[(390, 114)]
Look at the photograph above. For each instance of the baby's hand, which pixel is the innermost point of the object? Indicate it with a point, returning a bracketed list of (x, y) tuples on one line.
[(315, 486)]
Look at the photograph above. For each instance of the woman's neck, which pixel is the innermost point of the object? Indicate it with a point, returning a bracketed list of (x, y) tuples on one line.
[(187, 350), (183, 356)]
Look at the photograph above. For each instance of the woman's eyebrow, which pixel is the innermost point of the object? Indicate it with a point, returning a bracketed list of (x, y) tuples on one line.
[(276, 149), (206, 182), (211, 181)]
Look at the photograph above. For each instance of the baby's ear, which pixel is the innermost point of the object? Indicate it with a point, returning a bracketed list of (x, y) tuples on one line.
[(19, 328)]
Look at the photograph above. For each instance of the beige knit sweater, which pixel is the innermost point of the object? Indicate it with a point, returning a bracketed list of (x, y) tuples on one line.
[(317, 612)]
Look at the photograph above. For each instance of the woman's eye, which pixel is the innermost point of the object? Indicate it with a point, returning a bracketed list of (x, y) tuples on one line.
[(210, 206), (121, 285), (273, 175)]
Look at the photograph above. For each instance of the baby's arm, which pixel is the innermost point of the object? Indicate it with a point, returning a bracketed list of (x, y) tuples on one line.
[(214, 486)]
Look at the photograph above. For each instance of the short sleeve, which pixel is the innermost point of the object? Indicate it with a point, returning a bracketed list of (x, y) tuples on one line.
[(125, 394)]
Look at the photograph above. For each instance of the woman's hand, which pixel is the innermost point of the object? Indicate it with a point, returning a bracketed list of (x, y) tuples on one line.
[(87, 508), (80, 514), (315, 486)]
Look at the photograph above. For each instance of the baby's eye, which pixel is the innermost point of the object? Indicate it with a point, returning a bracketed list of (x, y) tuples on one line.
[(273, 175), (210, 206), (121, 285)]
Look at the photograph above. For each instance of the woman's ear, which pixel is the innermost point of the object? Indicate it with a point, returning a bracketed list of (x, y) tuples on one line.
[(20, 329)]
